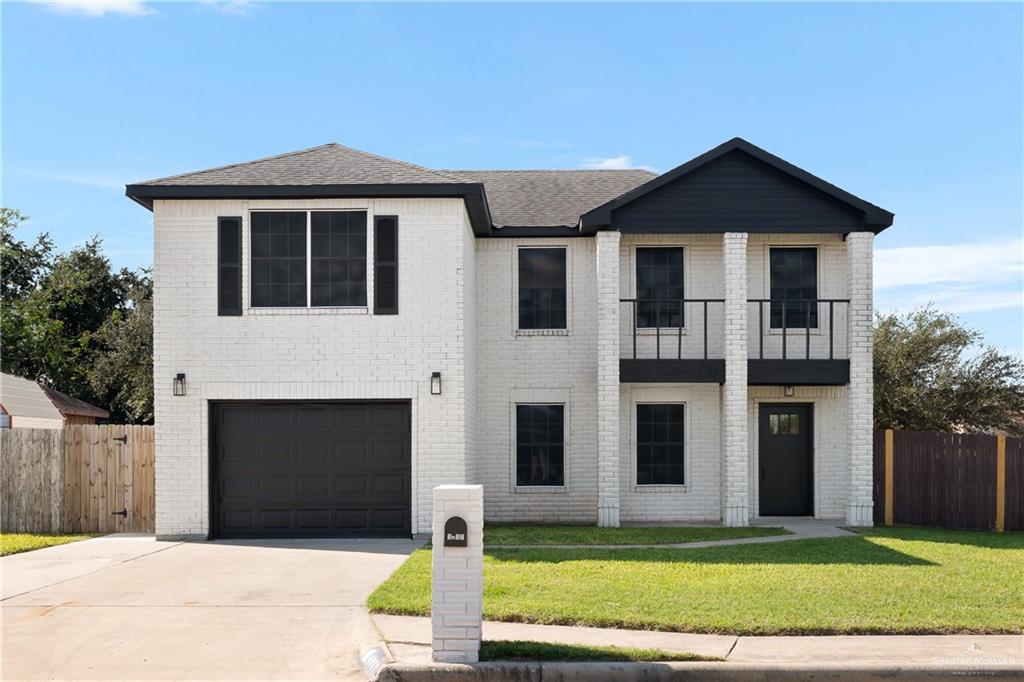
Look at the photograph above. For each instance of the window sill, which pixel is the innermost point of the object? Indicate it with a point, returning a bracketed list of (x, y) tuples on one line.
[(540, 489), (354, 310), (542, 332), (663, 331), (794, 331), (659, 488)]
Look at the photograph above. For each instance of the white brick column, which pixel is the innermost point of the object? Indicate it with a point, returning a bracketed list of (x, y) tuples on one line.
[(456, 584), (859, 511), (608, 378), (735, 445)]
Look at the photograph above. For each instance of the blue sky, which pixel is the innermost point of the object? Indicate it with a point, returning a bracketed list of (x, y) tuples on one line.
[(915, 107)]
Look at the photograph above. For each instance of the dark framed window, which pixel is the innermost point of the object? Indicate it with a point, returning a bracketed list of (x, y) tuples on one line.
[(659, 287), (659, 444), (794, 279), (542, 297), (784, 424), (278, 259), (540, 445), (338, 262)]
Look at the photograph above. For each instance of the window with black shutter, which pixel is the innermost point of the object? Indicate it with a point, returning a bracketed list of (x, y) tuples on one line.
[(542, 295), (794, 280), (229, 266), (338, 258), (278, 259), (659, 286), (659, 444), (385, 265), (540, 445)]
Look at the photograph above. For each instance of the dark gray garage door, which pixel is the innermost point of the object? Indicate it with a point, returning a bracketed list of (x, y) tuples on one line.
[(308, 469)]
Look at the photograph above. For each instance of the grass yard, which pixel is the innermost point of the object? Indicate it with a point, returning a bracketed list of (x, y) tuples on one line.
[(15, 543), (498, 534), (502, 650), (883, 581)]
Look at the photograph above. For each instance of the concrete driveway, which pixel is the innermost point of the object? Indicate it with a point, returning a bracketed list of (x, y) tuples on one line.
[(126, 607)]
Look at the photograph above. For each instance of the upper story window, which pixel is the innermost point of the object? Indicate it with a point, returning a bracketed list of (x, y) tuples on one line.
[(659, 286), (308, 258), (540, 445), (794, 279), (542, 294), (659, 444)]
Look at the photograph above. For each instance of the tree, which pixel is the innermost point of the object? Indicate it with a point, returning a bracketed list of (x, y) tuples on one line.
[(933, 374), (122, 366), (62, 312)]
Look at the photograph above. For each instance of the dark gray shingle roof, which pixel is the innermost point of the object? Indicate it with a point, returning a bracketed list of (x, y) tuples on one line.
[(542, 198), (69, 405), (329, 164)]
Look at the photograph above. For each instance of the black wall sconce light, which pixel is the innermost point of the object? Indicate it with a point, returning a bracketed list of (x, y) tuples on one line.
[(435, 383), (179, 383)]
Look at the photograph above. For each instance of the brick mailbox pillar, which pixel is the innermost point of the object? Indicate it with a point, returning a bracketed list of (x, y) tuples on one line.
[(457, 583)]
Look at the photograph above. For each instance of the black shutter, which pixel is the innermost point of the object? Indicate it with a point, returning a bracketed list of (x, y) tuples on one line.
[(229, 266), (385, 265)]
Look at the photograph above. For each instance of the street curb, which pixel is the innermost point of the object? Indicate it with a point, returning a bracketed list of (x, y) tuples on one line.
[(659, 672)]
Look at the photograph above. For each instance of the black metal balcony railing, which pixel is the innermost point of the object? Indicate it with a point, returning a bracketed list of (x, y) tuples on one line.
[(803, 316), (660, 315)]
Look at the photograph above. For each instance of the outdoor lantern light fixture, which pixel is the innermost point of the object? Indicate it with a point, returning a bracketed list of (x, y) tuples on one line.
[(435, 383), (788, 390), (179, 383)]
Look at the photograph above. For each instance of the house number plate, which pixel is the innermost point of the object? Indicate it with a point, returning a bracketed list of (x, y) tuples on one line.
[(455, 532)]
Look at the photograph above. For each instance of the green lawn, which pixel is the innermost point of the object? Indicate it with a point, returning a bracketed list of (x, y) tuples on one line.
[(502, 650), (903, 580), (13, 543), (498, 534)]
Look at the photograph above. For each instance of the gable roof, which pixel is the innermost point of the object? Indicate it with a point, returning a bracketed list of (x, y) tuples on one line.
[(499, 202), (875, 218), (549, 198), (70, 406), (25, 398)]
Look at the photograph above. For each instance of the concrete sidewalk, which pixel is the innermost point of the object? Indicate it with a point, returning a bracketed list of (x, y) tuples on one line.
[(408, 637)]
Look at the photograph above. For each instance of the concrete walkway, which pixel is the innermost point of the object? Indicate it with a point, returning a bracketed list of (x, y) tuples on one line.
[(127, 607), (408, 638), (800, 528)]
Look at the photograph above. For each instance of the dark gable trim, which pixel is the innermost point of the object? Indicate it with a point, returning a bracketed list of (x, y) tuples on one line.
[(875, 219), (471, 192), (558, 232)]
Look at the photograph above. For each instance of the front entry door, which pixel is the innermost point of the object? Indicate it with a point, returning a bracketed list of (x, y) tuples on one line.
[(785, 455)]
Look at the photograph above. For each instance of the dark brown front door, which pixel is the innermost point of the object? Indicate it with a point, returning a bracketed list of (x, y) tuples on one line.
[(785, 460), (310, 469)]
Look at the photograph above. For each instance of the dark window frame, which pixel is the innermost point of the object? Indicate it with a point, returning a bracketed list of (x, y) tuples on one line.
[(518, 445), (674, 473), (652, 312), (796, 306), (309, 258), (551, 311)]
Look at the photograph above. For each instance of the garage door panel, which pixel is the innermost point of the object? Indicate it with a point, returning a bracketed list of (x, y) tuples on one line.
[(308, 469)]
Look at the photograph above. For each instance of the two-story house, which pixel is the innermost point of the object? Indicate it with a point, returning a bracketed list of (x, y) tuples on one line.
[(336, 333)]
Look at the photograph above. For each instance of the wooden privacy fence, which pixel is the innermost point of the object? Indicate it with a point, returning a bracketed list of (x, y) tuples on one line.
[(949, 480), (84, 479)]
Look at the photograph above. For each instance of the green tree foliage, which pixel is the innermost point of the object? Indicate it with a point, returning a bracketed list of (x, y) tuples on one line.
[(62, 316), (933, 374)]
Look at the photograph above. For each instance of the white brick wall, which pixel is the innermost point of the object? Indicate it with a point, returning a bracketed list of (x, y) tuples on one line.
[(303, 354), (458, 316), (861, 405)]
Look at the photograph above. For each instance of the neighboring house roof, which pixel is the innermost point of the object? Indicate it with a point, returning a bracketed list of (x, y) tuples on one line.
[(25, 398), (549, 198), (508, 202), (70, 406)]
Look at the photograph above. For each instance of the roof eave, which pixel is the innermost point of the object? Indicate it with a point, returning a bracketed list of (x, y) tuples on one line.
[(471, 192)]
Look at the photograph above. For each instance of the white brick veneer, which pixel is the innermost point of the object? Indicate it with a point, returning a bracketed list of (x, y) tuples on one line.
[(456, 585), (308, 354), (608, 446), (735, 445), (860, 412)]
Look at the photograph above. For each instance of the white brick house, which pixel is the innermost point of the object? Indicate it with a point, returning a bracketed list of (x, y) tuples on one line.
[(336, 333)]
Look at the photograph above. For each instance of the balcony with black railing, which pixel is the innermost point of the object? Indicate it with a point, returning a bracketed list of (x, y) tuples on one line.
[(795, 342)]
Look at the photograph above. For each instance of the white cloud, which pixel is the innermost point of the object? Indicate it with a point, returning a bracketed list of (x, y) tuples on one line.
[(98, 8), (958, 278), (611, 163), (236, 8)]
